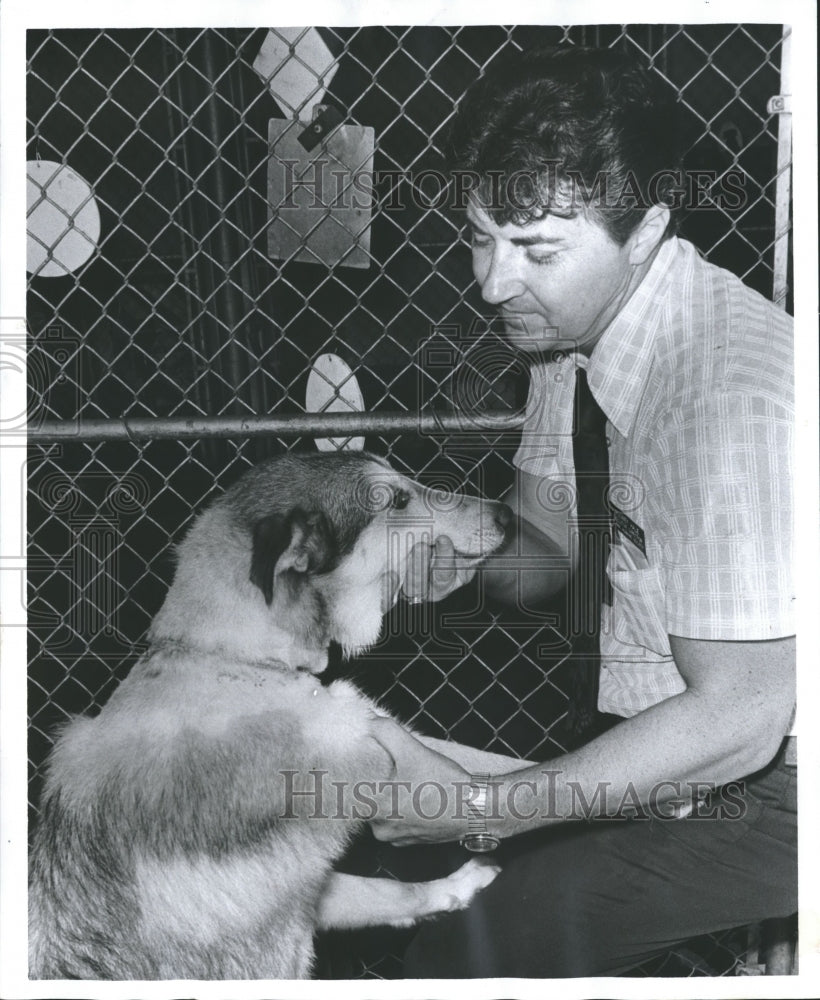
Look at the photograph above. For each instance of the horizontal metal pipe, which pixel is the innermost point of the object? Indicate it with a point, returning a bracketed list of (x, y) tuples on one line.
[(290, 426)]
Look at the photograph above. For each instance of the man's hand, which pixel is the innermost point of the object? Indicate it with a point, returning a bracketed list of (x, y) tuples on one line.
[(423, 801), (434, 571)]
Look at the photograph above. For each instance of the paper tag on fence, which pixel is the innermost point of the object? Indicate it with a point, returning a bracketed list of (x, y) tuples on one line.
[(320, 194), (297, 67)]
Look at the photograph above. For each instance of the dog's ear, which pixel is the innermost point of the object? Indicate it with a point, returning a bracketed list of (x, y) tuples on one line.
[(297, 544)]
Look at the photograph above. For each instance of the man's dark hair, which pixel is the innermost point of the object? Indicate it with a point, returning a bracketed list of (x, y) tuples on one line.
[(587, 123)]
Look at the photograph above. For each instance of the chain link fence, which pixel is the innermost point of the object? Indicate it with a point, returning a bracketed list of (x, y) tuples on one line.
[(149, 363)]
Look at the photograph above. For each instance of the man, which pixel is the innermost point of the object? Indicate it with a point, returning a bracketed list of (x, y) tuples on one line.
[(573, 243)]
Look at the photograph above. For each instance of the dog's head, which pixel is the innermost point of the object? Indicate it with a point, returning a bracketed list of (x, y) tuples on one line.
[(331, 533)]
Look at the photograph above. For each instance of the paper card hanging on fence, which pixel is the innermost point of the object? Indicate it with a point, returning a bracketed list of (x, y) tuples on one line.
[(320, 191), (63, 222), (333, 388), (297, 67)]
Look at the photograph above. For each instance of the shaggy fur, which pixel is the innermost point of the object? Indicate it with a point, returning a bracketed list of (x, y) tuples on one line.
[(173, 841)]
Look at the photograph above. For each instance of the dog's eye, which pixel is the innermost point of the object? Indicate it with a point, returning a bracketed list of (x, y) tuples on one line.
[(401, 498)]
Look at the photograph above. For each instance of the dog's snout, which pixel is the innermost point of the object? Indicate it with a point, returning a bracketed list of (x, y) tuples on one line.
[(504, 516)]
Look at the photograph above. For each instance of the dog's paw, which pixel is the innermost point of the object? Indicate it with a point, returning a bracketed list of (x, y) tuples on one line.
[(456, 891), (423, 900)]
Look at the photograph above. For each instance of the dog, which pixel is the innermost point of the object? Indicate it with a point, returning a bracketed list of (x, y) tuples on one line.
[(180, 834)]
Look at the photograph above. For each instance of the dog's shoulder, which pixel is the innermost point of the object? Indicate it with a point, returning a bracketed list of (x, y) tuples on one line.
[(181, 720)]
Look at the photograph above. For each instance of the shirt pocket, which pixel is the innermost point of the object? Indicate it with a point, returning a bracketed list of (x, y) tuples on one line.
[(638, 609)]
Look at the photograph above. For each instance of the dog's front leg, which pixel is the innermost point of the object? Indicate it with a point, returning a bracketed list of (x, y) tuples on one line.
[(351, 901)]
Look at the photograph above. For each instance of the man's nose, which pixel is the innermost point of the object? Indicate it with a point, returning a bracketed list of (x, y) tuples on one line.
[(502, 280)]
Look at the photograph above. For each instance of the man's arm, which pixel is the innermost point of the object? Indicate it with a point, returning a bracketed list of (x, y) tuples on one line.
[(729, 722), (533, 564), (474, 760)]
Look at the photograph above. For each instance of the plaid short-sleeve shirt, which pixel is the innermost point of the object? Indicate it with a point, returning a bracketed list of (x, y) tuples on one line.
[(695, 376)]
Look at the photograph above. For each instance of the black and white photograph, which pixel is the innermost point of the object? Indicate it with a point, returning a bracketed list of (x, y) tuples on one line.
[(409, 457)]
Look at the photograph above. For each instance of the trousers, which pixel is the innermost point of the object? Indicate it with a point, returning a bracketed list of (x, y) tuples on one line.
[(597, 897)]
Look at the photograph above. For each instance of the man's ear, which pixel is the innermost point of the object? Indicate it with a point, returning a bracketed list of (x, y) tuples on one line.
[(648, 235), (295, 544)]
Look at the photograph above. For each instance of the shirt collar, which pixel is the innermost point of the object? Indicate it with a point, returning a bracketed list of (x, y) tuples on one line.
[(620, 363)]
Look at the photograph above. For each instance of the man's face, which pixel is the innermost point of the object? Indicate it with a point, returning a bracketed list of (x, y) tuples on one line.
[(557, 282)]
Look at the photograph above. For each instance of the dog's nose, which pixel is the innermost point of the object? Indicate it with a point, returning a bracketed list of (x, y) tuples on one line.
[(503, 516)]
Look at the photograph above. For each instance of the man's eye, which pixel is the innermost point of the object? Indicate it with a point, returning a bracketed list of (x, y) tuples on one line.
[(401, 498), (543, 259), (479, 239)]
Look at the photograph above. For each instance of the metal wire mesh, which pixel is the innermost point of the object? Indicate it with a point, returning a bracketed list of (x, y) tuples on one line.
[(181, 312)]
